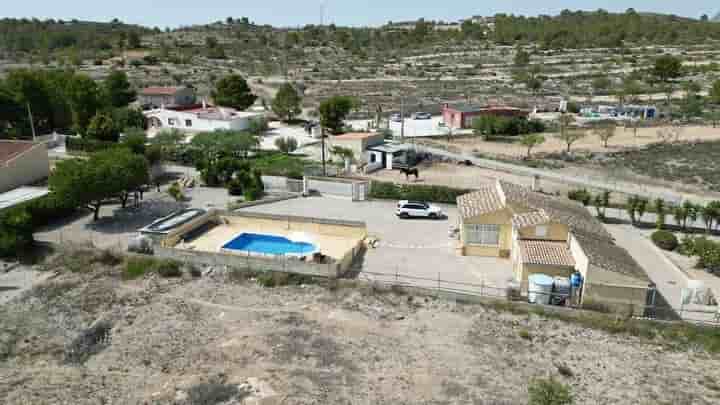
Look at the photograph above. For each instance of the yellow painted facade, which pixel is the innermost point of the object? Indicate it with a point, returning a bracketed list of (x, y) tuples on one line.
[(500, 218)]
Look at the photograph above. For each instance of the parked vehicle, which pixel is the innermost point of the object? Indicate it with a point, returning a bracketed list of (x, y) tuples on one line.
[(422, 116), (417, 209)]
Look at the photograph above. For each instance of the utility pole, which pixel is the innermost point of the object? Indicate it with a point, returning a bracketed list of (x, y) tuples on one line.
[(322, 142), (402, 119), (32, 123)]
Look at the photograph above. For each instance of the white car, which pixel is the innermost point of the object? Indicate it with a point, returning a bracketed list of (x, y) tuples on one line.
[(422, 116), (417, 209)]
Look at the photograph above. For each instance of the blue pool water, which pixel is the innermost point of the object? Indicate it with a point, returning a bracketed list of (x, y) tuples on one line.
[(269, 244)]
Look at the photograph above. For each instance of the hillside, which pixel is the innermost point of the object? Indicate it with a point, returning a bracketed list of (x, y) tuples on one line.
[(89, 337), (47, 36)]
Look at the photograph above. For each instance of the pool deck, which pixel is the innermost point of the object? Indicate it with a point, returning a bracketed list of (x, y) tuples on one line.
[(213, 240)]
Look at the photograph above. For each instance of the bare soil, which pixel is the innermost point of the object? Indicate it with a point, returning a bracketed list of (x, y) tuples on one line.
[(211, 340), (623, 139)]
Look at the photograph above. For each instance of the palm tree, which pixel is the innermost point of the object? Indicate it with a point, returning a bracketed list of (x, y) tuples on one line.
[(631, 208), (642, 204), (680, 214), (692, 212), (660, 213), (708, 215)]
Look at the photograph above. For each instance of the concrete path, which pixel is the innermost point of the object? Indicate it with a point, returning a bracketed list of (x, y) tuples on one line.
[(668, 279)]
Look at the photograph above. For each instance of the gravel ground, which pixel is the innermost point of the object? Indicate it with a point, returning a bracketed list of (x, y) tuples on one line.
[(91, 338)]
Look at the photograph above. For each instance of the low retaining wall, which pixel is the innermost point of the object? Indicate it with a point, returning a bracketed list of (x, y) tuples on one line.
[(279, 263), (322, 226)]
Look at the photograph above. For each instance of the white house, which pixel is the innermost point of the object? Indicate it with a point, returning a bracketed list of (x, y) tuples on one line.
[(200, 118)]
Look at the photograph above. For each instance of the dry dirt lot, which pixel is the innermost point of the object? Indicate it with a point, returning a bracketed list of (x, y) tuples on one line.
[(623, 138), (162, 342)]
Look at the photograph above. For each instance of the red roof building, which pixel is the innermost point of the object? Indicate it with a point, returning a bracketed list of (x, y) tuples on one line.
[(463, 115)]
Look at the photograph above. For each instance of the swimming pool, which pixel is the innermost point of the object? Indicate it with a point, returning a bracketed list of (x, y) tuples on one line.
[(269, 245)]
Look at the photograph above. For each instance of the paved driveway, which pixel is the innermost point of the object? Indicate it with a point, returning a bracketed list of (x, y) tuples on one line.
[(416, 247)]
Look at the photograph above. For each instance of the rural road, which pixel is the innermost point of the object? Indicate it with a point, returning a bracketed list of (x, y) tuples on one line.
[(642, 190)]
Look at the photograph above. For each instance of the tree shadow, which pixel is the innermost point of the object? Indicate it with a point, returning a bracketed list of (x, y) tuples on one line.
[(132, 218)]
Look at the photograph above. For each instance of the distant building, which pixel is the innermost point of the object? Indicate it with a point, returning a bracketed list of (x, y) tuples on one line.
[(200, 118), (22, 163), (156, 97), (463, 115), (371, 151)]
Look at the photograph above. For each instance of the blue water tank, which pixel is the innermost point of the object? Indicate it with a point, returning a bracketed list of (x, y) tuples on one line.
[(576, 280)]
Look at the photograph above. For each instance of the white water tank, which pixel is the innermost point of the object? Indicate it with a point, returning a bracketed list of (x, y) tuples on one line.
[(539, 289)]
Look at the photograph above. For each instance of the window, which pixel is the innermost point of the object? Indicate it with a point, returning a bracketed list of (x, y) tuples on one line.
[(483, 234), (373, 158), (188, 123), (171, 121), (541, 231)]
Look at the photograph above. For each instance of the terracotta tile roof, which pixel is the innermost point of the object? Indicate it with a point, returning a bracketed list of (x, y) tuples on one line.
[(487, 199), (551, 253), (160, 91), (530, 219), (12, 149), (608, 256), (557, 209)]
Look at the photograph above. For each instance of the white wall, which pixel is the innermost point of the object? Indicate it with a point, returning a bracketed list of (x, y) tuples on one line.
[(199, 124), (377, 165), (581, 260), (25, 169)]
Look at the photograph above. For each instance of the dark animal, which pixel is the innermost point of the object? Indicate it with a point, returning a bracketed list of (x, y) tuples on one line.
[(410, 172)]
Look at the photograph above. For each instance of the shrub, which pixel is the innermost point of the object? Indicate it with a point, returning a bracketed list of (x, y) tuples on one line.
[(664, 240), (175, 191), (286, 144), (525, 334), (136, 267), (16, 232), (252, 194), (88, 145), (543, 391), (168, 268), (211, 393)]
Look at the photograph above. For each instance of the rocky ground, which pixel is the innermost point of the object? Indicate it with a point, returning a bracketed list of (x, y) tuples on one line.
[(91, 338)]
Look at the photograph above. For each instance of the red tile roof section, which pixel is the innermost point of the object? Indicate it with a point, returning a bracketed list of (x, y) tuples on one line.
[(12, 149), (159, 91)]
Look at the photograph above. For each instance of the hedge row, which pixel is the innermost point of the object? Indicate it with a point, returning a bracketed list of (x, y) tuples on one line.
[(78, 144), (437, 194)]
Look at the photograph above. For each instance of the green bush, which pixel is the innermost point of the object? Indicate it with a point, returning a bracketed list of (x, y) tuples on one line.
[(438, 194), (16, 232), (664, 240), (88, 145), (543, 391), (136, 267), (168, 268)]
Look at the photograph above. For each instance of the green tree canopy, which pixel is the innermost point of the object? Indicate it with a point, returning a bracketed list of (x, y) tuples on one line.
[(333, 112), (715, 92), (102, 128), (286, 103), (128, 117), (111, 173), (233, 91), (85, 101), (117, 89), (667, 67)]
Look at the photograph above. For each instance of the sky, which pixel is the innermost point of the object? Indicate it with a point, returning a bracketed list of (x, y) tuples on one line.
[(290, 13)]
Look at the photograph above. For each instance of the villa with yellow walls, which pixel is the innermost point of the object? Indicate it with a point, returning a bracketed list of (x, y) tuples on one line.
[(554, 236)]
